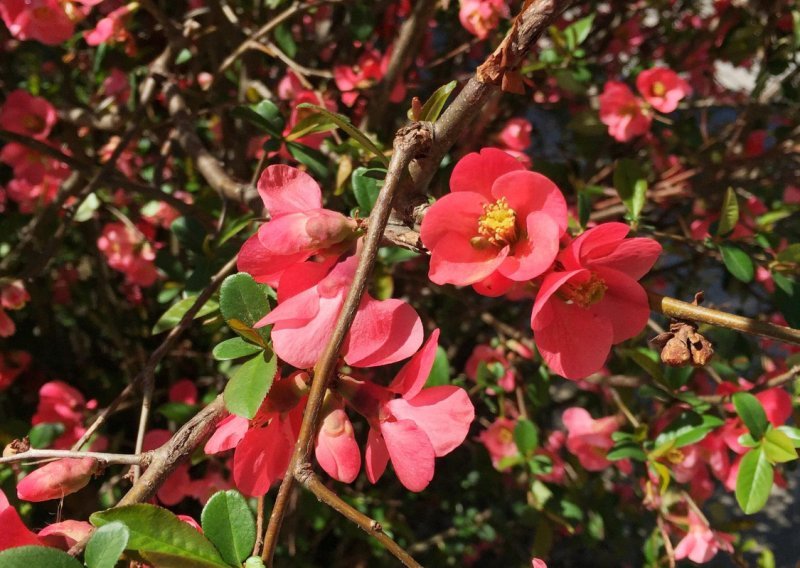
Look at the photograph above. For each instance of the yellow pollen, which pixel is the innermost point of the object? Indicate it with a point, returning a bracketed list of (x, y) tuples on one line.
[(505, 436), (659, 89), (498, 224), (587, 293)]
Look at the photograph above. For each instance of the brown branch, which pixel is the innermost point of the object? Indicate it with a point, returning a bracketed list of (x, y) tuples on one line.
[(409, 41), (36, 454), (677, 309), (409, 142)]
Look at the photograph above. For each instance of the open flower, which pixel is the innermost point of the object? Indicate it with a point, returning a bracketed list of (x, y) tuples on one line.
[(42, 20), (498, 439), (589, 439), (480, 17), (662, 88), (594, 301), (623, 112), (701, 544), (25, 114), (497, 218), (14, 532)]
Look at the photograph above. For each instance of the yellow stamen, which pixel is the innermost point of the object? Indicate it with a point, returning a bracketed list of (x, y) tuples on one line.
[(659, 89), (587, 293), (498, 224)]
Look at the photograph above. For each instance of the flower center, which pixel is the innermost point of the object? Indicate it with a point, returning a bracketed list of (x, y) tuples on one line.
[(505, 436), (33, 123), (586, 293), (498, 224), (659, 89)]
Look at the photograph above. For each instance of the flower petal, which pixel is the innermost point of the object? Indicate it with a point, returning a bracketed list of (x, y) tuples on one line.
[(624, 304), (382, 332), (411, 378), (376, 455), (261, 459), (535, 254), (478, 171), (285, 189), (411, 451), (528, 192)]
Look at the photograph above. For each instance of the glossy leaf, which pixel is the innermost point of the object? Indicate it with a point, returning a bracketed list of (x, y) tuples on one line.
[(792, 433), (229, 525), (440, 371), (729, 215), (526, 436), (630, 182), (754, 481), (249, 384), (234, 348), (688, 429), (243, 302), (265, 115), (779, 447), (175, 313), (344, 123), (36, 556), (752, 413), (106, 545), (434, 105), (737, 262), (161, 538), (577, 33), (309, 157), (367, 183)]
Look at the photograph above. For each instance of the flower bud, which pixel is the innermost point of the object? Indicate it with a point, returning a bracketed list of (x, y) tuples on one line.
[(57, 479)]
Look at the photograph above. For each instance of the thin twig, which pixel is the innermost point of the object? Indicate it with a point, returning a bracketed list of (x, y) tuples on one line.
[(34, 454)]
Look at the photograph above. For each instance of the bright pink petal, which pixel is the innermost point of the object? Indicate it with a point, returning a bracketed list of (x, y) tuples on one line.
[(535, 254), (624, 305), (383, 332), (261, 264), (66, 534), (4, 504), (477, 172), (286, 234), (777, 405), (14, 533), (444, 413), (285, 189), (452, 214), (493, 286), (261, 459), (456, 261), (300, 341), (228, 434), (411, 451), (606, 245), (336, 449), (411, 378), (529, 192), (634, 257), (57, 479), (376, 456)]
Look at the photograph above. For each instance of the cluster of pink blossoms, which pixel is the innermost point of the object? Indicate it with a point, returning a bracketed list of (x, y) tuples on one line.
[(628, 116), (307, 253), (502, 229), (129, 251), (481, 17)]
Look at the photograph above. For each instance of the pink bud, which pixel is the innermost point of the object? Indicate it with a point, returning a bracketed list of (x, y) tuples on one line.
[(57, 479)]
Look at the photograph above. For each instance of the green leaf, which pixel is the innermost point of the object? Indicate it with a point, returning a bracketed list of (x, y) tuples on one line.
[(792, 433), (577, 33), (312, 124), (106, 545), (778, 447), (243, 302), (344, 123), (367, 183), (625, 451), (787, 298), (630, 182), (37, 556), (752, 413), (313, 159), (229, 525), (440, 371), (584, 208), (190, 232), (42, 435), (729, 215), (737, 262), (754, 481), (179, 412), (790, 254), (265, 115), (175, 313), (249, 384), (254, 562), (689, 428), (161, 538), (283, 37), (526, 436), (234, 348), (434, 105)]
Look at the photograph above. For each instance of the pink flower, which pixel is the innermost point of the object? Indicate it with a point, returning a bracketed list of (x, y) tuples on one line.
[(662, 88), (66, 534), (129, 251), (25, 114), (595, 301), (110, 29), (538, 563), (57, 479), (14, 532), (497, 218), (299, 227), (623, 112), (480, 17), (491, 357), (12, 363), (588, 439), (41, 20), (59, 402), (516, 134), (116, 85), (701, 544), (7, 327), (13, 295), (336, 448), (310, 298), (499, 441), (414, 428)]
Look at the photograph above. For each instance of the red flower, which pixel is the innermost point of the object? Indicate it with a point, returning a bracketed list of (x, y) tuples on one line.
[(497, 218), (25, 114), (594, 301), (662, 88), (623, 112), (14, 533), (42, 20), (588, 439)]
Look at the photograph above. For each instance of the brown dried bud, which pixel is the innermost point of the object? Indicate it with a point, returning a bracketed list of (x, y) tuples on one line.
[(682, 346), (17, 447)]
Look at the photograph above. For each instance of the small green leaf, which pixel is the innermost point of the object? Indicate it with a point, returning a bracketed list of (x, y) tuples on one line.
[(183, 56), (37, 556), (526, 436), (106, 545), (312, 124), (42, 435), (792, 433), (630, 182), (790, 254), (752, 413), (737, 262), (787, 298), (283, 37), (249, 384), (754, 481), (161, 538), (729, 215), (440, 371), (265, 115), (229, 525), (367, 183), (254, 562), (175, 313), (689, 428), (234, 348), (243, 302), (313, 159), (584, 208), (779, 447), (434, 105), (625, 451), (577, 33), (344, 123)]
